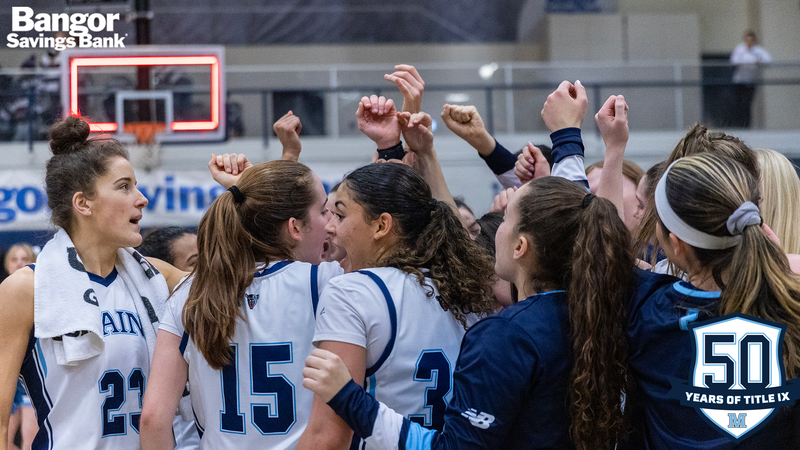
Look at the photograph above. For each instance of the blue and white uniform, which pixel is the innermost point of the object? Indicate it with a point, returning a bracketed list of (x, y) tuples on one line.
[(510, 387), (411, 342), (567, 156), (99, 400), (258, 399), (660, 346)]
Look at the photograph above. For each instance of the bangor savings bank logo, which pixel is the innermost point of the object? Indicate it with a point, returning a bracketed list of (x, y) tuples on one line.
[(738, 380)]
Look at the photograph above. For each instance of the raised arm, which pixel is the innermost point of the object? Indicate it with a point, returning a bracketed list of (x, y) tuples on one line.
[(411, 85), (466, 123), (419, 137), (226, 169), (288, 128), (612, 119), (563, 113), (377, 119), (16, 322)]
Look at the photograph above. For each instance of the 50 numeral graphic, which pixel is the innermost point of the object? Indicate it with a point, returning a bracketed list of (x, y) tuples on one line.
[(711, 358), (112, 381), (277, 416)]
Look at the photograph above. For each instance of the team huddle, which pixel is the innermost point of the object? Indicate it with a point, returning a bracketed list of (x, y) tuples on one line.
[(377, 316)]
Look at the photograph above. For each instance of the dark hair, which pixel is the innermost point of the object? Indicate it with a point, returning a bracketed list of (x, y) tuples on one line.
[(430, 236), (158, 243), (76, 165), (698, 140), (460, 203), (587, 252), (489, 224), (231, 239), (704, 190)]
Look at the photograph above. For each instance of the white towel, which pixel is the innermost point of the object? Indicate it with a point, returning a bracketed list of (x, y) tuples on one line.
[(65, 305)]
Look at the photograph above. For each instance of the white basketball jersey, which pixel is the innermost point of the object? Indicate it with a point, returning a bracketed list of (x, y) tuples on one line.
[(415, 371), (96, 404), (258, 400)]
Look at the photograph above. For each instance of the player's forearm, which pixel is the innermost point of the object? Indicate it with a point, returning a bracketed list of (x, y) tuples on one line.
[(430, 170)]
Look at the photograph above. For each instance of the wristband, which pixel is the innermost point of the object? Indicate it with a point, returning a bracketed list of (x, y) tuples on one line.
[(394, 152)]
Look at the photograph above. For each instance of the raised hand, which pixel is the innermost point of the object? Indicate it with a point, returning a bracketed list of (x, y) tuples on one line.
[(531, 164), (410, 84), (325, 374), (501, 200), (467, 124), (288, 130), (565, 107), (612, 120), (226, 169), (417, 131), (377, 118)]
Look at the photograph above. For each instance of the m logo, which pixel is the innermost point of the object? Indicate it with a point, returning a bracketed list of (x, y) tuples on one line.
[(737, 382), (252, 299)]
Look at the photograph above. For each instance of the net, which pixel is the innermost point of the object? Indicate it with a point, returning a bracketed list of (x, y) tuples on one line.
[(145, 131)]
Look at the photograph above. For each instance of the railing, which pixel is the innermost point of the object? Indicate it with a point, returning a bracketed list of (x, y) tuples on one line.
[(663, 95)]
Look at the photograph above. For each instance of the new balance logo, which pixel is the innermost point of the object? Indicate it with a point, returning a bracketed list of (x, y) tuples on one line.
[(480, 420)]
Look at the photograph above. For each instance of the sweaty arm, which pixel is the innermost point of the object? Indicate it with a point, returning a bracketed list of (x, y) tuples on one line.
[(488, 392), (16, 322)]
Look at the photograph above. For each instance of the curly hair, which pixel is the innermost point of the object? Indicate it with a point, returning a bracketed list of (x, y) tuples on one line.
[(588, 253), (430, 236)]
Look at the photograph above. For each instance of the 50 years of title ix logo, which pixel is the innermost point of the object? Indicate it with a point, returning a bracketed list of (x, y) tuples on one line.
[(737, 382)]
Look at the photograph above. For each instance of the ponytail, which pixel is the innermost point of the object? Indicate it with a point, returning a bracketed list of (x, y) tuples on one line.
[(762, 284), (430, 236), (225, 268), (600, 288), (236, 233), (704, 191), (581, 245)]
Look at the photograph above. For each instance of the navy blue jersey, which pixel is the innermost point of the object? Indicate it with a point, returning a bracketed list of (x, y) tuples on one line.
[(510, 388), (661, 346)]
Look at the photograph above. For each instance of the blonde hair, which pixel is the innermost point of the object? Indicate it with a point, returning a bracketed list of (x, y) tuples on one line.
[(698, 140), (704, 190), (630, 170), (28, 250), (780, 198)]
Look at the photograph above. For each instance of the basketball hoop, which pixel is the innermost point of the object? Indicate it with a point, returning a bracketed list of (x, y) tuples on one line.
[(145, 131), (147, 151)]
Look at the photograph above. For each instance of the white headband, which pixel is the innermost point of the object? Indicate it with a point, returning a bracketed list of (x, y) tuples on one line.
[(745, 215)]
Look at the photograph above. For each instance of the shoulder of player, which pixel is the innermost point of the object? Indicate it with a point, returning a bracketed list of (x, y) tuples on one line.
[(16, 297)]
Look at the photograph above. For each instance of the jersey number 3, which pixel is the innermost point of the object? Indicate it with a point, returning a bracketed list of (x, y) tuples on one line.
[(433, 365), (277, 415)]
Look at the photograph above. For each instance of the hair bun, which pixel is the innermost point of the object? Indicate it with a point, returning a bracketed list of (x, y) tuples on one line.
[(68, 136)]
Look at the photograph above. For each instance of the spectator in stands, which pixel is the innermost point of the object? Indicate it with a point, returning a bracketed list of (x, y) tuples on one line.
[(748, 59)]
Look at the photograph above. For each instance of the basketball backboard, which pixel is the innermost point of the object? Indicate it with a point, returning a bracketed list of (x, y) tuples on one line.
[(182, 87)]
